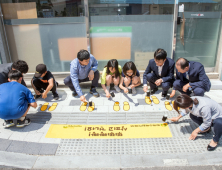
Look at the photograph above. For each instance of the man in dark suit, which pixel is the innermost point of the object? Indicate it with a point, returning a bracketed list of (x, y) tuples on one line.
[(190, 77), (162, 69)]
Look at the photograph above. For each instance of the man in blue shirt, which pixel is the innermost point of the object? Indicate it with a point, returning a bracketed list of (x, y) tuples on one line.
[(82, 69), (15, 100), (190, 77)]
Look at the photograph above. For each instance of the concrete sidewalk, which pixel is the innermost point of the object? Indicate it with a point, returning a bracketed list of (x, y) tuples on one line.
[(29, 148)]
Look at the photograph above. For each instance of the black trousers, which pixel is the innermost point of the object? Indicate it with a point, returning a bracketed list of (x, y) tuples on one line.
[(151, 78), (40, 86), (217, 124), (68, 81)]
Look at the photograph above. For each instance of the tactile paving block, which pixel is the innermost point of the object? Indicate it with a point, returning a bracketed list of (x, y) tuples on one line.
[(141, 101), (75, 103), (179, 143)]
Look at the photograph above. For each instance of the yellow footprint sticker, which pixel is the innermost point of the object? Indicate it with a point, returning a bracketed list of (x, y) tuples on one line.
[(44, 107), (91, 108), (126, 106), (53, 107), (155, 100), (116, 106), (83, 106), (168, 106), (147, 100)]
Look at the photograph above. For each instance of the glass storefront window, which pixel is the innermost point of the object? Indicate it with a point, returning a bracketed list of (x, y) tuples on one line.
[(130, 30), (49, 32), (197, 39), (53, 31), (45, 8)]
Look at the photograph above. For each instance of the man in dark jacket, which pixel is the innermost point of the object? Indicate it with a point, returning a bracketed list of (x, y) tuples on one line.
[(159, 72), (190, 77)]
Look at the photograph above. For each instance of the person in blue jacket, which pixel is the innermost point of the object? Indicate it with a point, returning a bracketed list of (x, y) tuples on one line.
[(82, 69), (159, 72), (190, 77), (15, 101)]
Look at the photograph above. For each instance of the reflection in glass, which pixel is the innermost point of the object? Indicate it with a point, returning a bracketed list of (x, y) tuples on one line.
[(130, 30), (201, 31), (46, 31), (48, 8)]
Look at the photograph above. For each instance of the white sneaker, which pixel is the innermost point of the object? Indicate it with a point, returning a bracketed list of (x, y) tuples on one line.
[(117, 89), (108, 88), (134, 90)]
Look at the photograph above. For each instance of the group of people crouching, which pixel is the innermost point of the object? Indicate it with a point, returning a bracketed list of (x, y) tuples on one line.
[(191, 80)]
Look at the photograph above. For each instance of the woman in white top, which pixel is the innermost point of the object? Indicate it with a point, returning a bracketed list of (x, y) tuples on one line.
[(205, 112)]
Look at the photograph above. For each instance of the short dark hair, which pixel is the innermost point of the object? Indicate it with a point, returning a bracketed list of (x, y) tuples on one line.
[(160, 54), (14, 75), (114, 64), (83, 55), (182, 62), (129, 66), (184, 101), (20, 65)]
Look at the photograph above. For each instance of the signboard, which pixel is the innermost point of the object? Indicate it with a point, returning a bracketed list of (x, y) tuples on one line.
[(154, 130), (181, 8)]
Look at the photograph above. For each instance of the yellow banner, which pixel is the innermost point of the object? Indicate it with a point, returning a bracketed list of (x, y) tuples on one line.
[(155, 130)]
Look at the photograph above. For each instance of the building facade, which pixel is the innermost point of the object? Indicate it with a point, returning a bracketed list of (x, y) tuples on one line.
[(53, 31)]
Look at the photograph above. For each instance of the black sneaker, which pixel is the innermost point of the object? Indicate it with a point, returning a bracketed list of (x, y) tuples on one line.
[(23, 123), (55, 96), (74, 94), (8, 123), (153, 91), (37, 96), (164, 94), (94, 92)]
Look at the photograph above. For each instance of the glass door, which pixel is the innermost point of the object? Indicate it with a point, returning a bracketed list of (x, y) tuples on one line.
[(198, 30)]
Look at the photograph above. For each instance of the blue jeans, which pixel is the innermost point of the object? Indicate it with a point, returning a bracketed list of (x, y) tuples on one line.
[(68, 81)]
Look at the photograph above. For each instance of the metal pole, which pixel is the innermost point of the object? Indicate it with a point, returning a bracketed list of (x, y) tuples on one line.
[(174, 28), (86, 8)]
